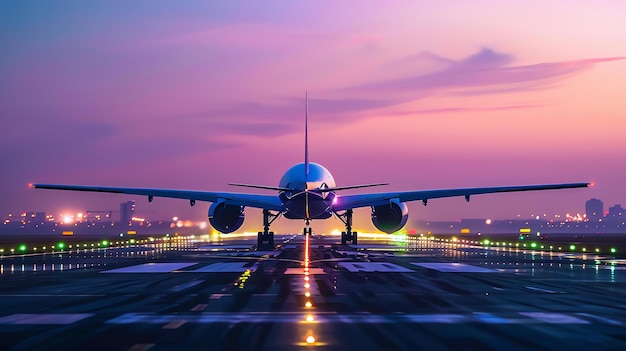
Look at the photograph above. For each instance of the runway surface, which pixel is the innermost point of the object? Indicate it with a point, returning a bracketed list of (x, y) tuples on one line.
[(408, 295)]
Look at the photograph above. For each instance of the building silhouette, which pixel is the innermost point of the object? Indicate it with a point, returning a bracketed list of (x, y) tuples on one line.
[(126, 212), (594, 209), (615, 212)]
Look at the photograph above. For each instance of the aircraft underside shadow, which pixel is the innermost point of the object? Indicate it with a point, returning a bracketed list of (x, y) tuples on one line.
[(265, 239)]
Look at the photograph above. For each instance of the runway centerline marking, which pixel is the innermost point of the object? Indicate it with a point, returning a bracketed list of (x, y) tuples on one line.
[(161, 267), (300, 271)]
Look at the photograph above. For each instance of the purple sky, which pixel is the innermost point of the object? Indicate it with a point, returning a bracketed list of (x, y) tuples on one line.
[(419, 94)]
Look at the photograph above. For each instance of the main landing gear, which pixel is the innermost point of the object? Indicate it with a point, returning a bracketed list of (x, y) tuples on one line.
[(348, 236), (266, 238)]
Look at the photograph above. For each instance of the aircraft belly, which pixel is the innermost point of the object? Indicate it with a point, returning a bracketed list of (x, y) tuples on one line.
[(318, 208)]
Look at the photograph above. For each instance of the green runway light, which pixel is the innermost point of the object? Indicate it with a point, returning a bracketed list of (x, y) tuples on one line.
[(533, 245), (485, 242), (105, 243), (572, 247), (613, 250), (132, 241), (60, 245), (22, 247)]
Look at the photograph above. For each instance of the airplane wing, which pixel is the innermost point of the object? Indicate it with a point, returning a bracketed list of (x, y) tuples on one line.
[(268, 202), (347, 202)]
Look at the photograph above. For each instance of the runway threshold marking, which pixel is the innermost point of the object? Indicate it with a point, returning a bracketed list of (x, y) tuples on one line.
[(601, 319), (52, 295), (374, 267), (554, 318), (441, 318), (186, 286), (141, 347), (199, 308), (541, 290), (160, 267), (226, 267), (218, 296), (49, 318), (453, 267), (175, 324)]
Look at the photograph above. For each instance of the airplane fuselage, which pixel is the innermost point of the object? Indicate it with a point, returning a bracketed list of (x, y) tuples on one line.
[(307, 201)]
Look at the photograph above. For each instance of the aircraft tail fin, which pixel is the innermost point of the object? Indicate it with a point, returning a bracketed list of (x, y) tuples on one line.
[(306, 134)]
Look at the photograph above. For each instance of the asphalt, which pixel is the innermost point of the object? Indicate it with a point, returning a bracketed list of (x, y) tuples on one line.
[(417, 294)]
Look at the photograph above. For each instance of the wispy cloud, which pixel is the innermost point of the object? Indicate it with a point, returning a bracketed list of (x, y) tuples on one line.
[(447, 110), (486, 71), (481, 73)]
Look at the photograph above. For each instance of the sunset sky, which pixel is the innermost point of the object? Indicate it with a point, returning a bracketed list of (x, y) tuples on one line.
[(423, 95)]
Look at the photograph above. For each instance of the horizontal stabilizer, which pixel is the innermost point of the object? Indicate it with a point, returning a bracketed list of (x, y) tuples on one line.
[(352, 187), (277, 188)]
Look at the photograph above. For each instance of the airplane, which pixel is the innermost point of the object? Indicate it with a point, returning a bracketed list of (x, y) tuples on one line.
[(308, 191)]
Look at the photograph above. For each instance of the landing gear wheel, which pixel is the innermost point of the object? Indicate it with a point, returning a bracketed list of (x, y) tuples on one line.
[(265, 239), (348, 236)]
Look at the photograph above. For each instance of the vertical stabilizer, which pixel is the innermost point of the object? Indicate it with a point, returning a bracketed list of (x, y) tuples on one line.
[(306, 134)]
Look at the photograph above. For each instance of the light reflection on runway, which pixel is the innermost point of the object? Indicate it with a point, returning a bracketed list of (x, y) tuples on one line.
[(427, 295)]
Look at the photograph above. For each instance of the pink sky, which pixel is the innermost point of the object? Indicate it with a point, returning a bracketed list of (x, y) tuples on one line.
[(420, 95)]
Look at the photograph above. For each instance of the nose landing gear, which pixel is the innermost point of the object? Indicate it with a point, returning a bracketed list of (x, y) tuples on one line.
[(307, 228)]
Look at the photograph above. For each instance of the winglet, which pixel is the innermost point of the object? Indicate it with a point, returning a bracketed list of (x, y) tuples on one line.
[(306, 135)]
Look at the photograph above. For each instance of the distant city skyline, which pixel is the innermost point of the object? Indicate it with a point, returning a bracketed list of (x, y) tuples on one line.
[(420, 95), (127, 210)]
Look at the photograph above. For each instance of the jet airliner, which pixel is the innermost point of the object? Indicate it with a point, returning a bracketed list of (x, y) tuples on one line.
[(308, 191)]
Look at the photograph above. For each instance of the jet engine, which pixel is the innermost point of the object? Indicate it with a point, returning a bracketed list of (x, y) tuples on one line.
[(226, 218), (390, 218)]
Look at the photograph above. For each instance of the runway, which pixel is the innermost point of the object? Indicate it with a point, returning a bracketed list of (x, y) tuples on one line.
[(410, 295)]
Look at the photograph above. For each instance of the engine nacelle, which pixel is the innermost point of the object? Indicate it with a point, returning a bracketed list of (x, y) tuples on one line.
[(226, 218), (390, 218)]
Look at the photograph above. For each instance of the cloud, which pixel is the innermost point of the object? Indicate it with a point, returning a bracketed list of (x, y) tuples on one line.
[(484, 69), (481, 73), (447, 110)]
